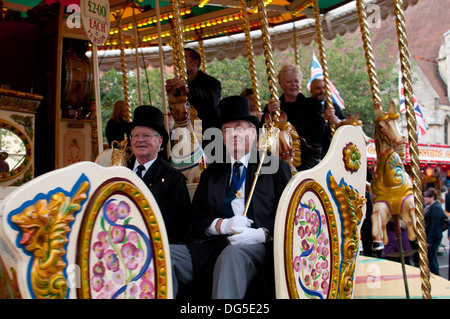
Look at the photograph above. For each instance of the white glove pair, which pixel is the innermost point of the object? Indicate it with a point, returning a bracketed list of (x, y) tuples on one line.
[(247, 236), (242, 233), (235, 221)]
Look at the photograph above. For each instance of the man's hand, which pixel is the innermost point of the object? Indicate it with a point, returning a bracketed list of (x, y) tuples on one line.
[(330, 116), (236, 221), (176, 86), (247, 236)]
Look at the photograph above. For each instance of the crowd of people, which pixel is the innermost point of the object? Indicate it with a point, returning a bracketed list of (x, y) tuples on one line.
[(216, 250)]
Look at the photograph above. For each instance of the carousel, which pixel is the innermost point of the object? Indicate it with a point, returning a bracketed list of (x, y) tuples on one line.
[(60, 224)]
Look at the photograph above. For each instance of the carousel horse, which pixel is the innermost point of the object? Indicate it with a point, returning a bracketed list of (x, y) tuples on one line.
[(289, 140), (187, 154), (391, 187), (118, 155)]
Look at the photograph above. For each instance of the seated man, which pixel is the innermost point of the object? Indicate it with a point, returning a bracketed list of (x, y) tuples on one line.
[(167, 185), (332, 115), (229, 249)]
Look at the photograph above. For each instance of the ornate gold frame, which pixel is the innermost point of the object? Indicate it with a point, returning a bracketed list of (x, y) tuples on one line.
[(311, 186), (28, 152), (96, 202)]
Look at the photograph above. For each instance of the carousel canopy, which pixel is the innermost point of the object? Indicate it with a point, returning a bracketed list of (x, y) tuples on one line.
[(218, 23)]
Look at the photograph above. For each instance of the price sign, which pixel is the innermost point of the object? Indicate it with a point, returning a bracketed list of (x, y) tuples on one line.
[(95, 15)]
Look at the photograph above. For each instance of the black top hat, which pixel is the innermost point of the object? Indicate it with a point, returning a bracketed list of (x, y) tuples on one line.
[(147, 115), (235, 108)]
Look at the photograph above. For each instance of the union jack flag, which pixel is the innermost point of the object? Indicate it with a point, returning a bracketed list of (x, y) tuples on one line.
[(422, 125), (317, 72)]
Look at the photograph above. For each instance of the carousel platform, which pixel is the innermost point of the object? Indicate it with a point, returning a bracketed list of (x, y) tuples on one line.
[(383, 279)]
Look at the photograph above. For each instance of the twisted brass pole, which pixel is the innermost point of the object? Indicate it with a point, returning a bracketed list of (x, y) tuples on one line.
[(323, 57), (251, 59), (174, 54), (124, 70), (179, 40), (413, 148), (294, 38), (201, 50), (272, 78), (370, 61)]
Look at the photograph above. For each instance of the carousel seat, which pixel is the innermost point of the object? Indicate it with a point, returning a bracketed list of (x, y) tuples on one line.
[(318, 222), (83, 232)]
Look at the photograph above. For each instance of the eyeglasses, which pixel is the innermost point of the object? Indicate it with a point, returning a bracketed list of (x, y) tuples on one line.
[(145, 137)]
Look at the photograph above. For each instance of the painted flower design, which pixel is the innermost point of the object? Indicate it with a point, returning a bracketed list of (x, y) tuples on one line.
[(351, 157), (121, 251), (118, 234), (311, 258), (123, 210)]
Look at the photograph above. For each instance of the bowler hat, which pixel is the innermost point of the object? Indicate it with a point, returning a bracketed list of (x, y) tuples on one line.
[(150, 116), (234, 108)]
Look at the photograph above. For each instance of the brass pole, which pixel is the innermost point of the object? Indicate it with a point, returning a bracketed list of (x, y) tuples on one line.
[(370, 61), (174, 55), (272, 78), (323, 57), (251, 59), (201, 50), (178, 43), (124, 70), (413, 148), (294, 40), (136, 47)]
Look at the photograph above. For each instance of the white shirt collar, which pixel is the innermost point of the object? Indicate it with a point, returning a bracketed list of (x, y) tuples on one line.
[(146, 165), (244, 160)]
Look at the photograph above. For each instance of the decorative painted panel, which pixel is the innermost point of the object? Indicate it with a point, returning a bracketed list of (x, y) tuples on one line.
[(83, 231), (316, 237)]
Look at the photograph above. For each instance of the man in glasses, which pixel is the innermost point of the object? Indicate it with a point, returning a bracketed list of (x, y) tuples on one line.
[(167, 185)]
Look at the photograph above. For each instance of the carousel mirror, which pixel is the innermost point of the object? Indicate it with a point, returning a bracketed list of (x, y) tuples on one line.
[(15, 151)]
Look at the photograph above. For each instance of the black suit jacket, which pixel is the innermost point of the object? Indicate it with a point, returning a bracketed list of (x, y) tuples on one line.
[(168, 186), (326, 140), (206, 207), (305, 115), (213, 186)]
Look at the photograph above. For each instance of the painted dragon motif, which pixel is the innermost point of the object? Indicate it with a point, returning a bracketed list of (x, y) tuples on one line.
[(45, 226)]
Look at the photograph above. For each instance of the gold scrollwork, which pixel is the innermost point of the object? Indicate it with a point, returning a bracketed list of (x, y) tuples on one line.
[(350, 204)]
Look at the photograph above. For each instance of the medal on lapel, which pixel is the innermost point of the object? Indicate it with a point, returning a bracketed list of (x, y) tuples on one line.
[(238, 183)]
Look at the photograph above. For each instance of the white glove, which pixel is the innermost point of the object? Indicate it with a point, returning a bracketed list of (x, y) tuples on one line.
[(236, 221), (247, 236)]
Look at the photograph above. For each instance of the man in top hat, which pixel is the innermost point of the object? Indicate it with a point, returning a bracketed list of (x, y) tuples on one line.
[(167, 185), (230, 249)]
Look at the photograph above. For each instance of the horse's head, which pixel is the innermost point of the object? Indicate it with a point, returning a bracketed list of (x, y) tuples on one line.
[(180, 110), (387, 129)]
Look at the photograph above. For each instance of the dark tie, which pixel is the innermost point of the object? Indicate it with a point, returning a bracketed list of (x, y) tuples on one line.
[(225, 207), (140, 168)]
